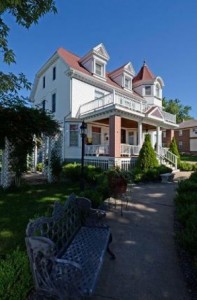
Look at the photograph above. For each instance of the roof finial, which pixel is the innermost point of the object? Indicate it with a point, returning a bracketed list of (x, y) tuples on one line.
[(144, 63)]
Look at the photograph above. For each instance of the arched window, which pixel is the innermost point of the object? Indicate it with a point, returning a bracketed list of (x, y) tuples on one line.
[(157, 90)]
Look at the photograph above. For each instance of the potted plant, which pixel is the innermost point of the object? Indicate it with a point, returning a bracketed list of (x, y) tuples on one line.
[(117, 182)]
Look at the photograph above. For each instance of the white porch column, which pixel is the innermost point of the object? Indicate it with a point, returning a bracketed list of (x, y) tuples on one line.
[(158, 139), (140, 141)]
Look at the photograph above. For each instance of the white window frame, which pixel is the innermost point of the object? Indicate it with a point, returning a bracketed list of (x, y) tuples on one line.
[(180, 132), (74, 141), (100, 71), (157, 90), (147, 88), (127, 83)]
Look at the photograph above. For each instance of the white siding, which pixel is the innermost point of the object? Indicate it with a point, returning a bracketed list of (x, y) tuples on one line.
[(82, 93), (60, 86)]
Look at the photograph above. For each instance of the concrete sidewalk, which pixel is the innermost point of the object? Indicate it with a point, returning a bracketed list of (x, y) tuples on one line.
[(146, 267)]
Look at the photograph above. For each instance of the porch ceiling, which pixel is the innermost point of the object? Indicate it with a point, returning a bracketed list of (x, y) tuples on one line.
[(126, 123)]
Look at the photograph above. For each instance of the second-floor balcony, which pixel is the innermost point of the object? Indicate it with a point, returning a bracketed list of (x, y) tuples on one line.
[(132, 104)]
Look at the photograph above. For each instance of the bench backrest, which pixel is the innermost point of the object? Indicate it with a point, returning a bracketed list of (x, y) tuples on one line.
[(60, 228)]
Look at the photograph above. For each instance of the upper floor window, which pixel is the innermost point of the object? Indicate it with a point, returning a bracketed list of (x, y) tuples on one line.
[(147, 90), (74, 130), (43, 82), (54, 73), (53, 106), (157, 91), (180, 132), (43, 105), (99, 69), (127, 83)]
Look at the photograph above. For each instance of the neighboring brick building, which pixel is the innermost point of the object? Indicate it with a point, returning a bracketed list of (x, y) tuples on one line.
[(185, 135)]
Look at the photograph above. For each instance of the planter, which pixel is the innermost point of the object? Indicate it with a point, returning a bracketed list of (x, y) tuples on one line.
[(117, 186)]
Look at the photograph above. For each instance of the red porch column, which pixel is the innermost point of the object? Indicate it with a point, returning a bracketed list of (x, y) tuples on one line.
[(169, 136), (114, 136)]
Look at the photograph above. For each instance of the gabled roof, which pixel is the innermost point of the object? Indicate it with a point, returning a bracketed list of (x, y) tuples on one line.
[(128, 68), (144, 74), (73, 61), (188, 124)]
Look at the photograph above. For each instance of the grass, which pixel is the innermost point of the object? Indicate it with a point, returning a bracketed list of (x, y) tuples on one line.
[(188, 158), (17, 206)]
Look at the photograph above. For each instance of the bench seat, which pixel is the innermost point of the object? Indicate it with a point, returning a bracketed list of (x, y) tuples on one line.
[(88, 250)]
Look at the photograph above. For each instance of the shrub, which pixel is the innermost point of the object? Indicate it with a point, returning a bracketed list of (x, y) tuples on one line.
[(187, 186), (39, 167), (147, 158), (185, 166), (95, 197), (162, 169), (15, 276), (174, 149), (72, 171)]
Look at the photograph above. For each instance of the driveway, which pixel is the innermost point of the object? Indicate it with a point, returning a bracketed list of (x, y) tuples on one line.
[(147, 266)]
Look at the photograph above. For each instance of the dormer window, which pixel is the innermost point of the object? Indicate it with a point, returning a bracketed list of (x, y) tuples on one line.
[(99, 69), (147, 90), (127, 83)]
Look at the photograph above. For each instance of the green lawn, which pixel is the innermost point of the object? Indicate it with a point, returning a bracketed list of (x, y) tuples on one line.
[(18, 206), (188, 158)]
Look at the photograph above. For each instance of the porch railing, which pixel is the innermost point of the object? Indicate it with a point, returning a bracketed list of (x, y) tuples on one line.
[(96, 150), (131, 103), (129, 150)]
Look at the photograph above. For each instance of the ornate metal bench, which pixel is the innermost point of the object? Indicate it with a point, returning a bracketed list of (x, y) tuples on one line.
[(66, 250)]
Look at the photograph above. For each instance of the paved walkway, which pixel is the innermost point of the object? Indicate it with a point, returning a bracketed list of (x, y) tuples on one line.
[(147, 267)]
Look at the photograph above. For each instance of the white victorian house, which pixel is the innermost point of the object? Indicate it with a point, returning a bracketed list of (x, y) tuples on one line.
[(119, 107)]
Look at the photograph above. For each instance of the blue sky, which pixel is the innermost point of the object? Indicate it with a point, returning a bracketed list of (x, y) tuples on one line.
[(161, 32)]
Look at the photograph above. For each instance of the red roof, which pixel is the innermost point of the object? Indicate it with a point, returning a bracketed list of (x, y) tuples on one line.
[(74, 62), (144, 74)]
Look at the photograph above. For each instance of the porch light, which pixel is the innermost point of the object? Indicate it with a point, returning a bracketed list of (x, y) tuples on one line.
[(83, 128)]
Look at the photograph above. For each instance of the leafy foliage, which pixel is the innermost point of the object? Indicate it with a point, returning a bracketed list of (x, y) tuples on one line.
[(176, 108), (186, 211), (20, 124), (174, 149), (15, 276), (147, 157)]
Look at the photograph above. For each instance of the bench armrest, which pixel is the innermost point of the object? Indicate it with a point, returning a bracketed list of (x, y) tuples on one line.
[(66, 262)]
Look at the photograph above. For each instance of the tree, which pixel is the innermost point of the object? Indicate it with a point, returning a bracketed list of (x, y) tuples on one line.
[(147, 158), (174, 149), (25, 13), (176, 108)]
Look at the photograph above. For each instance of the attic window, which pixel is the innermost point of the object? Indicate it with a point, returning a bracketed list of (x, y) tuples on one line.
[(127, 83), (148, 90), (99, 69)]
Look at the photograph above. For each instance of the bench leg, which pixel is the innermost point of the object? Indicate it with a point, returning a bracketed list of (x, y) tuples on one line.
[(109, 250)]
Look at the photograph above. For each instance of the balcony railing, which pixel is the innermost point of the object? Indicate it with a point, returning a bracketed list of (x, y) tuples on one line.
[(131, 103)]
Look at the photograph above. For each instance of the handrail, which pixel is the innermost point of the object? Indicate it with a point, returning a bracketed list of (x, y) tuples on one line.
[(164, 153)]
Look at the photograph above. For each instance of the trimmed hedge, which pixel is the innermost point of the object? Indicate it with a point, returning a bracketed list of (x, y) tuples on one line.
[(186, 213)]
